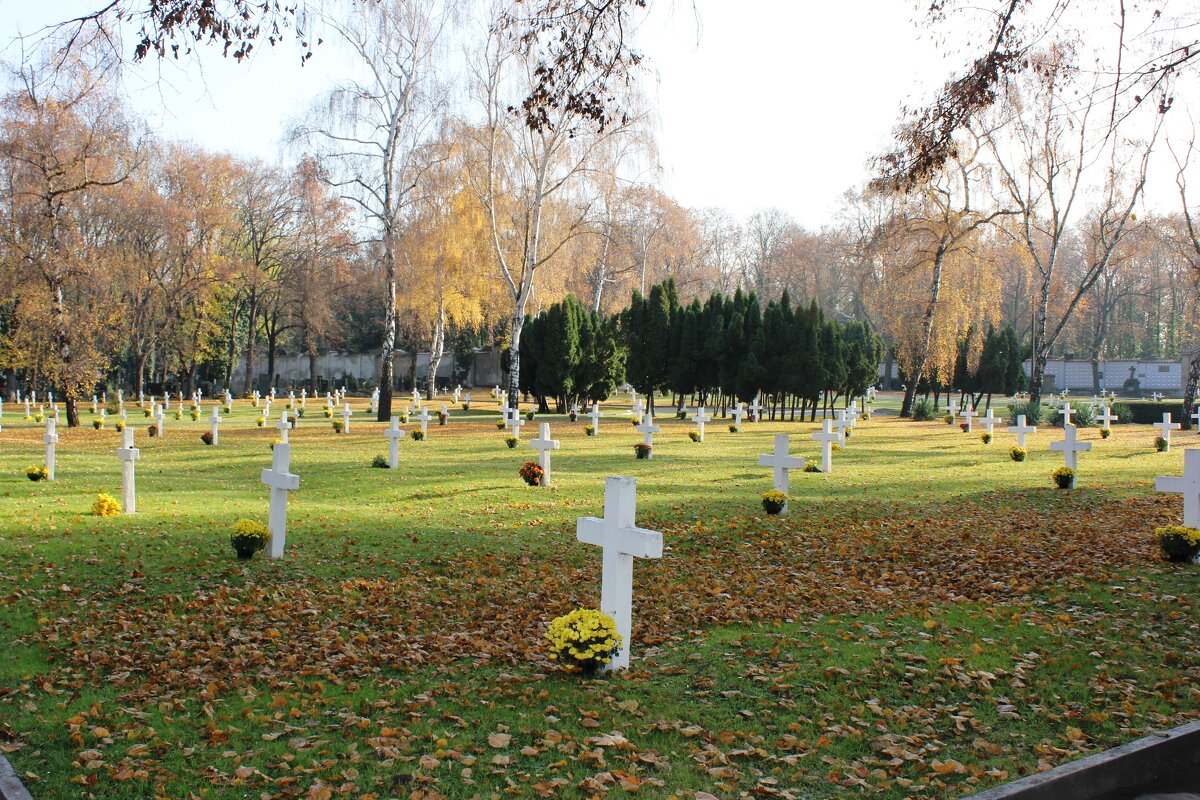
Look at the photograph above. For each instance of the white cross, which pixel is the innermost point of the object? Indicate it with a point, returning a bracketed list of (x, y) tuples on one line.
[(424, 418), (160, 417), (1020, 429), (1196, 419), (283, 426), (1070, 447), (329, 401), (346, 418), (95, 403), (1106, 418), (50, 439), (781, 462), (394, 435), (595, 416), (989, 421), (756, 409), (272, 394), (639, 410), (968, 414), (952, 407), (622, 541), (281, 482), (27, 406), (1188, 486), (841, 424), (737, 413), (457, 393), (467, 401), (544, 444), (1065, 412), (214, 421), (701, 416), (515, 421), (1166, 426), (128, 455), (852, 413), (826, 437), (648, 429)]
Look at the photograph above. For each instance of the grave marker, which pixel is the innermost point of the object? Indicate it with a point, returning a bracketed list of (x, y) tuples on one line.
[(394, 435), (1165, 427), (648, 429), (283, 426), (779, 461), (1106, 418), (346, 418), (990, 421), (1020, 429), (424, 418), (701, 416), (214, 423), (595, 416), (281, 482), (1070, 447), (544, 444), (51, 440), (1188, 486), (128, 455), (827, 436)]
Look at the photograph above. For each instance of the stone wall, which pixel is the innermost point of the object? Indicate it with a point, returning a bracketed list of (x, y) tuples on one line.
[(363, 369)]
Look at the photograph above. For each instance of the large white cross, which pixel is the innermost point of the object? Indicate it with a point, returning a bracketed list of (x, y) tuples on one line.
[(1106, 418), (544, 444), (648, 429), (737, 413), (50, 439), (595, 416), (701, 416), (346, 418), (1188, 486), (467, 401), (1070, 447), (989, 421), (827, 436), (1020, 429), (852, 413), (283, 426), (969, 414), (394, 435), (515, 421), (781, 462), (214, 422), (1166, 426), (281, 482), (128, 455), (424, 418), (1065, 412), (756, 410), (160, 417), (622, 541)]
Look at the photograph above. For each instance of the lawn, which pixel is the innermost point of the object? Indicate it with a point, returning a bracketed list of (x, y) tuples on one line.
[(931, 619)]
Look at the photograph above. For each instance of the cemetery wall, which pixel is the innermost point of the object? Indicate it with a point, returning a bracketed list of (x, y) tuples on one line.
[(1076, 374), (334, 368)]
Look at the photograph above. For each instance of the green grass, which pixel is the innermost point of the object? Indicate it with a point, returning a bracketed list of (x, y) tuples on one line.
[(930, 619)]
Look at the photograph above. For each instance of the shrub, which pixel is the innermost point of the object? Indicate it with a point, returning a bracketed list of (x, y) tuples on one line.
[(532, 473), (1161, 444), (1178, 543), (206, 437), (418, 435), (1018, 453), (379, 462), (512, 442), (590, 430), (1064, 477), (584, 640), (105, 505), (299, 413), (774, 501), (248, 537), (811, 467), (733, 428), (338, 425), (1082, 415), (642, 450), (694, 435), (1032, 411), (923, 410), (1148, 412), (986, 438), (36, 474), (1105, 433), (1124, 413)]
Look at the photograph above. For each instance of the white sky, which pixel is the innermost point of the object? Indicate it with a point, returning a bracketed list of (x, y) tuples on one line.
[(761, 103)]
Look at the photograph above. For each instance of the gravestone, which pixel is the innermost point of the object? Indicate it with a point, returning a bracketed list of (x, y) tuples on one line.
[(969, 415), (1021, 429), (544, 444), (648, 429), (424, 418), (1188, 486), (989, 421), (394, 435), (467, 401), (737, 412), (622, 541), (1070, 447), (827, 436), (160, 417), (639, 411), (779, 461), (840, 424), (346, 418), (1106, 418), (50, 439), (515, 421), (1065, 412), (701, 416), (281, 482), (595, 416), (283, 426), (952, 407), (214, 423), (129, 455), (1165, 427), (756, 410)]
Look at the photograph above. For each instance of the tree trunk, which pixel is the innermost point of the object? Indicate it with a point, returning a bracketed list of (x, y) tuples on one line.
[(514, 357), (1189, 391), (272, 337), (232, 344), (251, 331), (386, 377), (437, 349), (935, 290), (1041, 348)]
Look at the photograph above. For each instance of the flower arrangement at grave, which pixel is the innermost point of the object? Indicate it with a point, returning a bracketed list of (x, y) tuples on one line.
[(590, 430), (254, 402), (418, 435), (733, 428), (512, 441), (39, 417), (292, 420), (680, 414), (1064, 477), (179, 414), (227, 409), (337, 425), (105, 505), (949, 419), (299, 413), (379, 462), (26, 418), (36, 474), (466, 406), (633, 422), (1161, 444), (195, 415), (145, 412), (248, 537), (986, 438), (260, 422), (774, 501), (584, 640), (963, 426), (1178, 543), (835, 447), (206, 437), (192, 407), (98, 424), (119, 425), (848, 432), (152, 431), (811, 467), (642, 450), (866, 415), (751, 418), (573, 416), (694, 436), (500, 426), (328, 413), (529, 416), (404, 418), (1017, 453), (272, 445), (442, 417), (531, 473), (1105, 433)]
